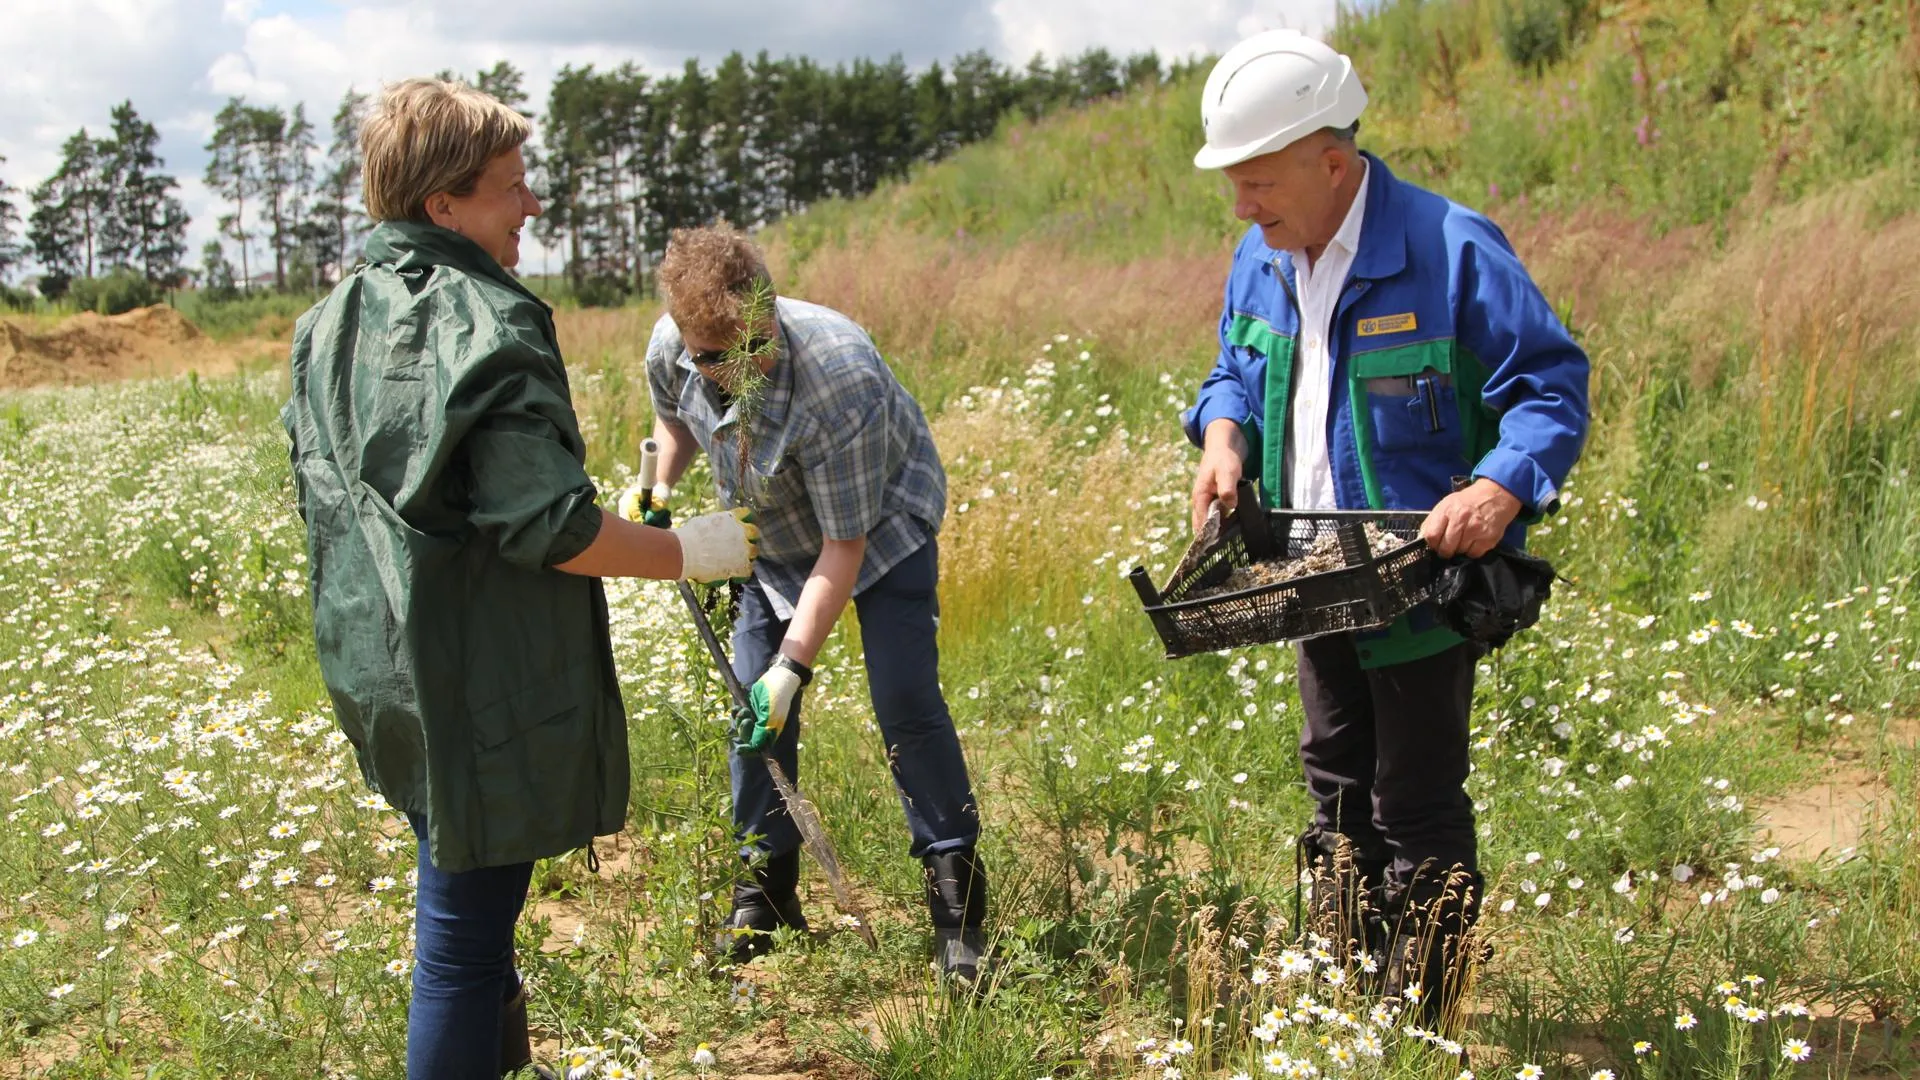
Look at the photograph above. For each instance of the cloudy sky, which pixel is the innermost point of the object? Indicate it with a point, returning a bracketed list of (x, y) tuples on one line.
[(65, 63)]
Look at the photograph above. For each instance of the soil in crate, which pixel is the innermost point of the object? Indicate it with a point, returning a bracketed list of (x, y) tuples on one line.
[(1323, 556)]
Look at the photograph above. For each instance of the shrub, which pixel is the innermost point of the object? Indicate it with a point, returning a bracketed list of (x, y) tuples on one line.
[(1537, 33), (602, 290), (120, 291)]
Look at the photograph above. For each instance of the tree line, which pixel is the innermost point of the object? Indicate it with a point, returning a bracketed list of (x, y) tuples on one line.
[(622, 158), (109, 206)]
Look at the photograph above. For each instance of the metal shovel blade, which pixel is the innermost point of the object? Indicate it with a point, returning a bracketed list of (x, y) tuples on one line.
[(806, 817), (813, 837)]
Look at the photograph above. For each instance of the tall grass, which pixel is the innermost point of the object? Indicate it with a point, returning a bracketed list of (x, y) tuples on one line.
[(1741, 536)]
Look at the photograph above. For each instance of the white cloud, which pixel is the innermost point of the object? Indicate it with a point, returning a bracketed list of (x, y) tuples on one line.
[(66, 63), (670, 30), (1176, 31)]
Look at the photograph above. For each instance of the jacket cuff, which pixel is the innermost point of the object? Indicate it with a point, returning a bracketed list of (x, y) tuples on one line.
[(1522, 476), (576, 535), (1196, 420)]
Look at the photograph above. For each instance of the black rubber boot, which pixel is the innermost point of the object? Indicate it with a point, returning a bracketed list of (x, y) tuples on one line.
[(764, 899), (516, 1044), (957, 901), (1348, 879), (1432, 949)]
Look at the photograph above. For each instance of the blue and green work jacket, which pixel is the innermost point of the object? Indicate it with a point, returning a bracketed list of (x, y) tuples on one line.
[(1447, 362)]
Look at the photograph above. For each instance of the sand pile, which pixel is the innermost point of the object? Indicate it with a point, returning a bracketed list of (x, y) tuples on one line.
[(91, 348)]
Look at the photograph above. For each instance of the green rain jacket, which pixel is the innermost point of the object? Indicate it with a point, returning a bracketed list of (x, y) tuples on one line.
[(440, 472)]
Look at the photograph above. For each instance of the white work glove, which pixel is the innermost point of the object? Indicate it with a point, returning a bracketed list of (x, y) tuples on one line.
[(719, 545)]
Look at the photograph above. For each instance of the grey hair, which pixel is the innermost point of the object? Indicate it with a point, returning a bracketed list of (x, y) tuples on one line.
[(1344, 134)]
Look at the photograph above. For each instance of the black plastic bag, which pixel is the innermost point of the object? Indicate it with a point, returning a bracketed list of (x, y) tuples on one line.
[(1494, 597)]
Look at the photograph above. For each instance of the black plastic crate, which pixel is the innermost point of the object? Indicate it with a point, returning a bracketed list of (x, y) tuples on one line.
[(1371, 590)]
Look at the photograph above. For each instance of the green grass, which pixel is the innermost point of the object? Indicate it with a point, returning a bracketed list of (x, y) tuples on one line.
[(1133, 805), (1741, 537)]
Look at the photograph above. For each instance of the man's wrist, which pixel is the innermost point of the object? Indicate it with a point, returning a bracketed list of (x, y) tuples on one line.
[(800, 670), (1224, 434), (1497, 491)]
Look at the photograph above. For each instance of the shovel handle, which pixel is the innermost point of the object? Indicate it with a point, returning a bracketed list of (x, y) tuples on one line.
[(649, 466)]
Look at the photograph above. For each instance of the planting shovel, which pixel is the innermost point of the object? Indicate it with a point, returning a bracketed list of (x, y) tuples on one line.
[(806, 817)]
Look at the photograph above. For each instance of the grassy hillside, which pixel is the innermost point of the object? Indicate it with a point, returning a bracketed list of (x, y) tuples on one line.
[(1678, 114), (1694, 779)]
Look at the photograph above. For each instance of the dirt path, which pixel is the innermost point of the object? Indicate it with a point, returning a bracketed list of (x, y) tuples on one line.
[(1832, 814)]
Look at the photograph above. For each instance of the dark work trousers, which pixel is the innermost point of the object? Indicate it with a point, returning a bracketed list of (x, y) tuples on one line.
[(899, 620), (1385, 752)]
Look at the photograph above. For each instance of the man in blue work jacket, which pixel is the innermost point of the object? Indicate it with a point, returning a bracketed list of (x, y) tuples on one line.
[(1380, 347)]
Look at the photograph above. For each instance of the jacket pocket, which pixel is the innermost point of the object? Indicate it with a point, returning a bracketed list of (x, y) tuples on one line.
[(536, 759), (1409, 398)]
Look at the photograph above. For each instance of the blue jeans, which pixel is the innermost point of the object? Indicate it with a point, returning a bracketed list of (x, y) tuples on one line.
[(899, 619), (462, 966)]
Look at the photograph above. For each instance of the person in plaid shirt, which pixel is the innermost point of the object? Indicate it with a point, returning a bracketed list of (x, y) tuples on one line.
[(840, 471)]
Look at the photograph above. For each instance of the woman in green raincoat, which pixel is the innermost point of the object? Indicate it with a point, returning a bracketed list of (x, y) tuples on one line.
[(456, 553)]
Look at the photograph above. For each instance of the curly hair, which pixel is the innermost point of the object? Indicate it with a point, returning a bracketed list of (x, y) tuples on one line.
[(705, 275)]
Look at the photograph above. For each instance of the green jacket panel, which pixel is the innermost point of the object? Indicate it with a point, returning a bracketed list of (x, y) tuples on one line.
[(440, 471)]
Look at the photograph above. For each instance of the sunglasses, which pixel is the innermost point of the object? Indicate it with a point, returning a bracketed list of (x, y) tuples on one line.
[(714, 357)]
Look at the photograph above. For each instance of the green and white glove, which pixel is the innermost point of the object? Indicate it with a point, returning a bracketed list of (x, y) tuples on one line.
[(648, 507), (718, 545), (771, 699)]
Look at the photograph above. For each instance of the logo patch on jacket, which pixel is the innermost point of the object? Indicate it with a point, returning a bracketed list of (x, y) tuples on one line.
[(1388, 324)]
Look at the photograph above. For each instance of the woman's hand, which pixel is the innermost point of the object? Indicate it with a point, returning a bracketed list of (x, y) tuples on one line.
[(719, 545)]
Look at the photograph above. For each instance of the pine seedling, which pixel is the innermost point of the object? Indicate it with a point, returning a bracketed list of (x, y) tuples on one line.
[(740, 368)]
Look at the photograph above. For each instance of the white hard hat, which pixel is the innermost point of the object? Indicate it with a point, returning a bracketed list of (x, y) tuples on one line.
[(1272, 89)]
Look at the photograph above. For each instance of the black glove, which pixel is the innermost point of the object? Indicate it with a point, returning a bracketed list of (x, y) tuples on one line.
[(1493, 597)]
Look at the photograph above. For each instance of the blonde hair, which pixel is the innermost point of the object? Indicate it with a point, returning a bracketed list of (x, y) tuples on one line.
[(431, 135), (706, 275)]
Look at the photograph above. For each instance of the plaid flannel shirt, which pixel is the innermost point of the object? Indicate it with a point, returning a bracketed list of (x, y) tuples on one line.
[(839, 449)]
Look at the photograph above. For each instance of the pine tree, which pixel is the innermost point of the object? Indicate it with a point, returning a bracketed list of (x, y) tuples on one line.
[(638, 119), (507, 85), (64, 229), (338, 219), (1038, 88), (733, 193), (1143, 69), (10, 250), (216, 273), (234, 172), (982, 92), (1094, 75), (802, 106), (579, 167), (934, 133), (770, 137), (143, 226), (284, 147), (686, 195)]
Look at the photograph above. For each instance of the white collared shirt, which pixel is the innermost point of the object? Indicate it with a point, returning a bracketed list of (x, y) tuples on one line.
[(1309, 473)]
